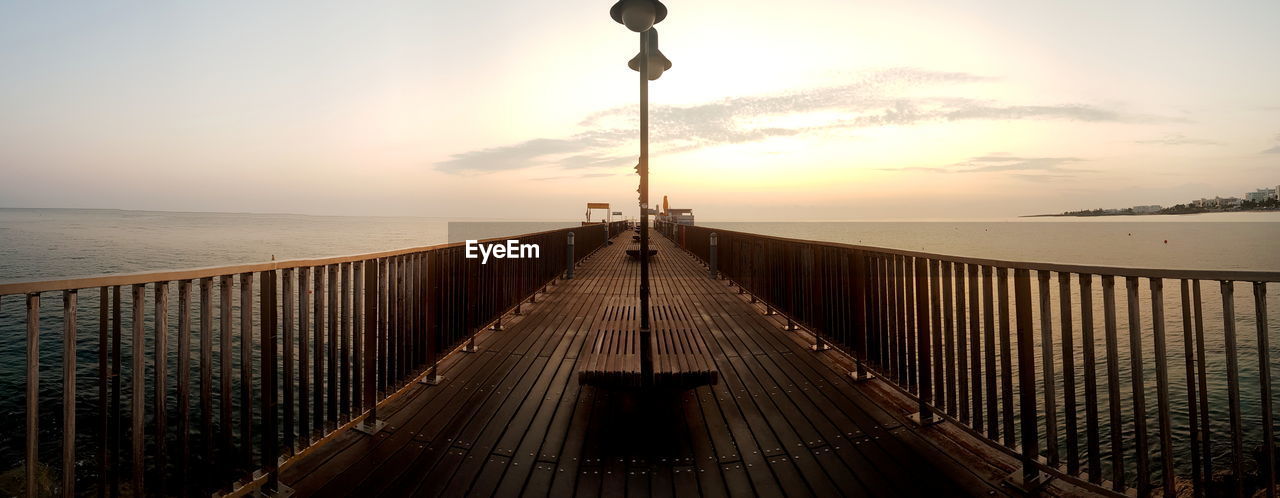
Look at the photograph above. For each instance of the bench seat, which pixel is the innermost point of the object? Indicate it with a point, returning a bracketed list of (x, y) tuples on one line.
[(681, 360)]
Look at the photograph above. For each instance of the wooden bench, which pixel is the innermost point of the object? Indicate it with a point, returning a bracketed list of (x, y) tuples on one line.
[(681, 360), (614, 360)]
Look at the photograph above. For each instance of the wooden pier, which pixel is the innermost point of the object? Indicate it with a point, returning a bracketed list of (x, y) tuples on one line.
[(511, 419), (822, 369)]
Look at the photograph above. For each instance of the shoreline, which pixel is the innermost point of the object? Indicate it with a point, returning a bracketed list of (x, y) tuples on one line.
[(1097, 215)]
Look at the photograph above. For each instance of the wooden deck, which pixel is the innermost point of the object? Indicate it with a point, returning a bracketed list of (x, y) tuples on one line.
[(512, 420)]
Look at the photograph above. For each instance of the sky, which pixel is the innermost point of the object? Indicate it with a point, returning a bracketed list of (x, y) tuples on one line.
[(798, 110)]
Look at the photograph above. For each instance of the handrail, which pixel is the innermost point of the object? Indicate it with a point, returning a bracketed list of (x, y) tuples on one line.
[(16, 287), (944, 330), (345, 333), (1117, 271)]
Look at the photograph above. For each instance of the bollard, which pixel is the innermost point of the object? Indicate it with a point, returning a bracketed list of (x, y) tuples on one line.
[(568, 273), (711, 255)]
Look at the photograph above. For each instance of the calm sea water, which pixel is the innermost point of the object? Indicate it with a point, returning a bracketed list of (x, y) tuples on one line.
[(38, 244)]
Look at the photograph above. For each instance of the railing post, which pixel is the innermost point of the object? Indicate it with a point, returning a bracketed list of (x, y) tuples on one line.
[(270, 390), (33, 391), (1029, 478), (568, 272), (924, 361), (711, 256), (1267, 465), (136, 402), (370, 424), (432, 376), (861, 285), (69, 392)]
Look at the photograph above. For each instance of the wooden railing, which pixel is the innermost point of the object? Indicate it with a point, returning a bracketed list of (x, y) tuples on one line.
[(948, 332), (617, 227), (300, 349)]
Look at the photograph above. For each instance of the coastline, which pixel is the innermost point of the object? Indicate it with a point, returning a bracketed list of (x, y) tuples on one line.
[(1179, 213)]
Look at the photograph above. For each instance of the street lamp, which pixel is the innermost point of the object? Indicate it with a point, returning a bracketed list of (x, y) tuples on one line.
[(658, 63), (640, 16)]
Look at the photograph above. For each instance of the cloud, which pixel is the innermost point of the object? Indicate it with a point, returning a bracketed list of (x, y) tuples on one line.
[(874, 101), (567, 177), (993, 163), (1273, 150), (1072, 112), (1020, 167), (532, 152), (1177, 139)]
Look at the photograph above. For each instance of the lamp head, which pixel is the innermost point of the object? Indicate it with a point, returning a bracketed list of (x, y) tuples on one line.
[(658, 63), (638, 15)]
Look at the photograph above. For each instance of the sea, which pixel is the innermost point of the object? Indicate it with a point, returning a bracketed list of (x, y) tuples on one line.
[(42, 244)]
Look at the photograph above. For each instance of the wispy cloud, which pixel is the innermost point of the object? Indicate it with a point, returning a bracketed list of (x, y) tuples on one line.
[(1177, 139), (566, 177), (874, 101), (1273, 150), (994, 163), (1020, 167)]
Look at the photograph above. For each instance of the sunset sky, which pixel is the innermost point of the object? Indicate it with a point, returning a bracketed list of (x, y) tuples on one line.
[(806, 109)]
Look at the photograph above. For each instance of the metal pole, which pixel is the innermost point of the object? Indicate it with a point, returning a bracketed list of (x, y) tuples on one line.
[(646, 359), (568, 272), (711, 255)]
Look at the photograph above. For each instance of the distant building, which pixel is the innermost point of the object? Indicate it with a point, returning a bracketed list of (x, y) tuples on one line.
[(678, 216), (1218, 202), (1146, 209), (1262, 194)]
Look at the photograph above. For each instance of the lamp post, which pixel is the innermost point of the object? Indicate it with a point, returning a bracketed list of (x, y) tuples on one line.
[(640, 16)]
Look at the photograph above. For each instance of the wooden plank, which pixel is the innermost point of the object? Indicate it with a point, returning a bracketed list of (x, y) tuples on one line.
[(104, 375), (332, 401), (1233, 384), (1138, 386), (225, 287), (287, 302), (184, 382), (304, 356), (317, 354), (160, 352), (1162, 386), (206, 374), (1113, 382), (137, 413), (470, 432), (344, 344), (245, 461), (1088, 355), (117, 429), (1069, 397), (989, 350), (1006, 358), (69, 308), (962, 345), (33, 390)]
